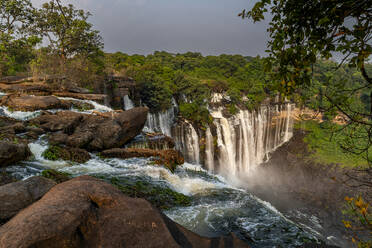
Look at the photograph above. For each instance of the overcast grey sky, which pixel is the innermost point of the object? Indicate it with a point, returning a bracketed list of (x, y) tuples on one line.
[(145, 26)]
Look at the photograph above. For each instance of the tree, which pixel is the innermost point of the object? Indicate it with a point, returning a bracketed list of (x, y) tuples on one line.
[(15, 42), (67, 30), (303, 31)]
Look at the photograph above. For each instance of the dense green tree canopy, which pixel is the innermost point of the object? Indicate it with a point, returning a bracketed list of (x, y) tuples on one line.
[(67, 30), (302, 32)]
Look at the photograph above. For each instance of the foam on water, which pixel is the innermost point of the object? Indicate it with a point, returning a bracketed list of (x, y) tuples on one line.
[(18, 115), (97, 106)]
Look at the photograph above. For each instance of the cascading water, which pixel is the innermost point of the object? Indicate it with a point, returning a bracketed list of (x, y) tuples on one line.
[(245, 139), (209, 150), (187, 141), (162, 122), (216, 207), (128, 104)]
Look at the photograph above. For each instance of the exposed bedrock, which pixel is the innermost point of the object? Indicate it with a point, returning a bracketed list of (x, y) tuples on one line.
[(11, 153), (93, 132), (18, 195), (87, 212), (32, 103)]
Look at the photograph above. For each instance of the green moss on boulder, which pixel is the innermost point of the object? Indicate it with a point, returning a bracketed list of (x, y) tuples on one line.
[(57, 176), (160, 197), (66, 153)]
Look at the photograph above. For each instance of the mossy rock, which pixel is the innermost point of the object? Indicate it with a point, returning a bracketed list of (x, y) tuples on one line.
[(82, 106), (66, 153), (160, 197), (57, 176)]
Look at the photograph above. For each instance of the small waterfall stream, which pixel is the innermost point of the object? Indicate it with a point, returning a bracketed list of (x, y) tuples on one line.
[(209, 150), (187, 141), (162, 122), (128, 104)]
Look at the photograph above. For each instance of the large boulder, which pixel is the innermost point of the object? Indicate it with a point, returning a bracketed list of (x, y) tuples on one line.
[(6, 177), (93, 132), (32, 103), (169, 158), (12, 153), (16, 196), (87, 212)]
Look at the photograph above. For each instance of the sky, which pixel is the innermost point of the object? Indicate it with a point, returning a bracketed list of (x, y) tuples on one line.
[(211, 27)]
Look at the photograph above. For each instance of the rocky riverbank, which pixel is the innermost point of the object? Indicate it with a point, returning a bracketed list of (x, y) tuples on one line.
[(34, 211), (86, 212), (51, 130)]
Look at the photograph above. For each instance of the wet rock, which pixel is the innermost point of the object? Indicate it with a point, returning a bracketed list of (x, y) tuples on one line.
[(9, 130), (11, 153), (32, 103), (66, 153), (17, 196), (153, 142), (78, 90), (56, 176), (93, 132), (65, 121), (6, 178), (93, 97), (86, 212), (12, 128), (81, 106), (169, 158), (161, 197)]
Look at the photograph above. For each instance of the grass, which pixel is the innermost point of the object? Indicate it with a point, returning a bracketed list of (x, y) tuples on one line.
[(324, 145)]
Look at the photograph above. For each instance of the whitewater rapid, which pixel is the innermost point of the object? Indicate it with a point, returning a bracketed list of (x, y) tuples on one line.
[(217, 208)]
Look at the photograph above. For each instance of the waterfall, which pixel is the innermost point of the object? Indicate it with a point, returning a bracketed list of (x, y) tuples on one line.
[(162, 122), (209, 150), (187, 141), (128, 104), (289, 124), (241, 142), (245, 140)]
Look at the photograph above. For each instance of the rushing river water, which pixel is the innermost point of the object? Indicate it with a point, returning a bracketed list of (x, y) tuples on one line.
[(217, 208)]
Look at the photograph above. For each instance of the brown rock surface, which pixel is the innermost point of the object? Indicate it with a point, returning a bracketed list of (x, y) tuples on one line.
[(93, 132), (12, 153), (16, 196), (29, 88), (93, 97), (169, 158), (32, 103), (87, 212)]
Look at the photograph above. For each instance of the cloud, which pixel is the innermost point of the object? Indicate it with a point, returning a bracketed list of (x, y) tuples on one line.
[(143, 26)]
